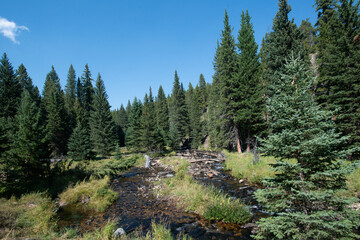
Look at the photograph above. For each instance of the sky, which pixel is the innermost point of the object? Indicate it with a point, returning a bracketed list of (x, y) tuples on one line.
[(133, 44)]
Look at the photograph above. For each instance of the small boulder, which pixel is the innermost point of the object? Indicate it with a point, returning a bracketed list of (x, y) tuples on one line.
[(119, 232)]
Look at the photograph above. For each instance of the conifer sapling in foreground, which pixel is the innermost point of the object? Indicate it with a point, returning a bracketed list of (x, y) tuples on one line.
[(304, 193)]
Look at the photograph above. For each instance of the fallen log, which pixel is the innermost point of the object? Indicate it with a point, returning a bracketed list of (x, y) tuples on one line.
[(206, 159)]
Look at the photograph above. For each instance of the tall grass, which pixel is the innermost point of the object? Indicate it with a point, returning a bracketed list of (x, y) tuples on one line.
[(97, 191), (206, 201), (31, 215), (241, 166)]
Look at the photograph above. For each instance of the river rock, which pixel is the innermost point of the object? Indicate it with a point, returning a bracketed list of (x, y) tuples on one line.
[(119, 232)]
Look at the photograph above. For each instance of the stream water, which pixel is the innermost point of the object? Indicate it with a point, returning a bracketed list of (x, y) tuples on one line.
[(137, 206)]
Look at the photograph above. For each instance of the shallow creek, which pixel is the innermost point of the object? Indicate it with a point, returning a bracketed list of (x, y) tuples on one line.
[(137, 206)]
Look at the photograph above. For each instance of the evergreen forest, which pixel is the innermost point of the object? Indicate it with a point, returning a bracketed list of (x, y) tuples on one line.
[(295, 98)]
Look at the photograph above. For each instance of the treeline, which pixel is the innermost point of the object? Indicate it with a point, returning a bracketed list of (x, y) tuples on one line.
[(36, 129), (232, 112)]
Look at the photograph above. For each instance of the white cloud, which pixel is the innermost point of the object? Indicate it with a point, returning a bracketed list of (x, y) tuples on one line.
[(10, 29)]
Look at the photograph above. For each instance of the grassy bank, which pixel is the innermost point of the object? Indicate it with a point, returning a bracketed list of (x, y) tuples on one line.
[(241, 166), (82, 184), (206, 201), (32, 215), (94, 194)]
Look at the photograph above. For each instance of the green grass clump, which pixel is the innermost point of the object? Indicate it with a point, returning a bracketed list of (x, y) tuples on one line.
[(206, 201), (96, 190), (241, 166), (111, 167), (228, 211), (31, 215)]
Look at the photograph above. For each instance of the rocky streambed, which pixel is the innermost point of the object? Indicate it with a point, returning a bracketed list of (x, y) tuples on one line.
[(137, 205)]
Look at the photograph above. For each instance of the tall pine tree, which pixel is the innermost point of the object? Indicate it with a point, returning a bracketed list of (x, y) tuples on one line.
[(247, 93), (178, 116), (225, 66), (10, 89), (279, 45), (162, 115), (339, 74), (26, 161), (101, 122), (56, 117), (133, 133), (70, 96)]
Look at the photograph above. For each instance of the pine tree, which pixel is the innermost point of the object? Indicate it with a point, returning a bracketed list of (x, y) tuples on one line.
[(223, 114), (339, 74), (178, 116), (202, 92), (121, 121), (56, 124), (70, 96), (26, 160), (87, 93), (26, 83), (218, 125), (10, 89), (194, 111), (309, 35), (284, 40), (247, 93), (101, 122), (304, 193), (79, 145), (151, 137), (133, 133), (162, 115)]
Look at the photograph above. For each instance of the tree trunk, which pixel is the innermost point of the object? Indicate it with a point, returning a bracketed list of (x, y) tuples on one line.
[(248, 143), (237, 139)]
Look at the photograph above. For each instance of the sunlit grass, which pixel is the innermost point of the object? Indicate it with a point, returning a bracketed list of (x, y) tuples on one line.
[(97, 191), (242, 167), (206, 201), (31, 215)]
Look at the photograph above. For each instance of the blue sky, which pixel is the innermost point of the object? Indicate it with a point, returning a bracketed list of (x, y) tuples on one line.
[(134, 44)]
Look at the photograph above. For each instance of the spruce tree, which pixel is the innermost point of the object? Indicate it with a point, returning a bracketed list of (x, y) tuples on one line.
[(225, 66), (87, 93), (219, 125), (79, 145), (178, 116), (10, 89), (247, 93), (309, 35), (162, 115), (151, 137), (284, 40), (101, 122), (133, 133), (70, 96), (56, 117), (339, 75), (304, 193), (26, 160), (26, 83), (121, 121), (194, 111), (202, 92)]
